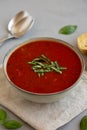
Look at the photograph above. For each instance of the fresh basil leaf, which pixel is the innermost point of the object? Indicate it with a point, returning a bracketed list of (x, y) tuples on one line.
[(83, 123), (12, 124), (69, 29), (3, 116)]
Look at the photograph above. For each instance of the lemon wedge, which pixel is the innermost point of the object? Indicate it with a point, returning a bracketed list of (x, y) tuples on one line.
[(82, 43)]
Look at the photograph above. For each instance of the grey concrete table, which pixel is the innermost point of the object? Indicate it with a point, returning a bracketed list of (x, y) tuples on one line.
[(50, 16)]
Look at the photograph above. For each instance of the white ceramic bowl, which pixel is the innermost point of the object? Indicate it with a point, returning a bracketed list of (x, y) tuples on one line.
[(36, 97)]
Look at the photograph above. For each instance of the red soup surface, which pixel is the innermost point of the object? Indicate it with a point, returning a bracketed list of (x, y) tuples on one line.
[(22, 75)]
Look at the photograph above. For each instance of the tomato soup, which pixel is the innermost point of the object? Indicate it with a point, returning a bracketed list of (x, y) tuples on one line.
[(22, 75)]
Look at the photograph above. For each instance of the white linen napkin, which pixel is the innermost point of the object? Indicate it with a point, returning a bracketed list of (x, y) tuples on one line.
[(45, 116)]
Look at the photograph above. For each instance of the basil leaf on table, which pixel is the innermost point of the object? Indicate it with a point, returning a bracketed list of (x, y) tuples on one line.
[(12, 124), (69, 29), (83, 123), (3, 116)]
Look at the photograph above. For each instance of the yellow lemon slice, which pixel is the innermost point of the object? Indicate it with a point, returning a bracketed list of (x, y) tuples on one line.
[(82, 43)]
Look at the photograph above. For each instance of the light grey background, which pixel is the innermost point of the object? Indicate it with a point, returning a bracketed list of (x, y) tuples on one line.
[(50, 16)]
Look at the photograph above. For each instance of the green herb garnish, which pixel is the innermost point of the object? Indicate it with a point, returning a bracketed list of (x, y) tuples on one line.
[(9, 124), (69, 29), (42, 64), (3, 116), (12, 124), (83, 123)]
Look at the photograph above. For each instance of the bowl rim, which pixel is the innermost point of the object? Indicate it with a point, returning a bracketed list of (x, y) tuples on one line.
[(10, 51)]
